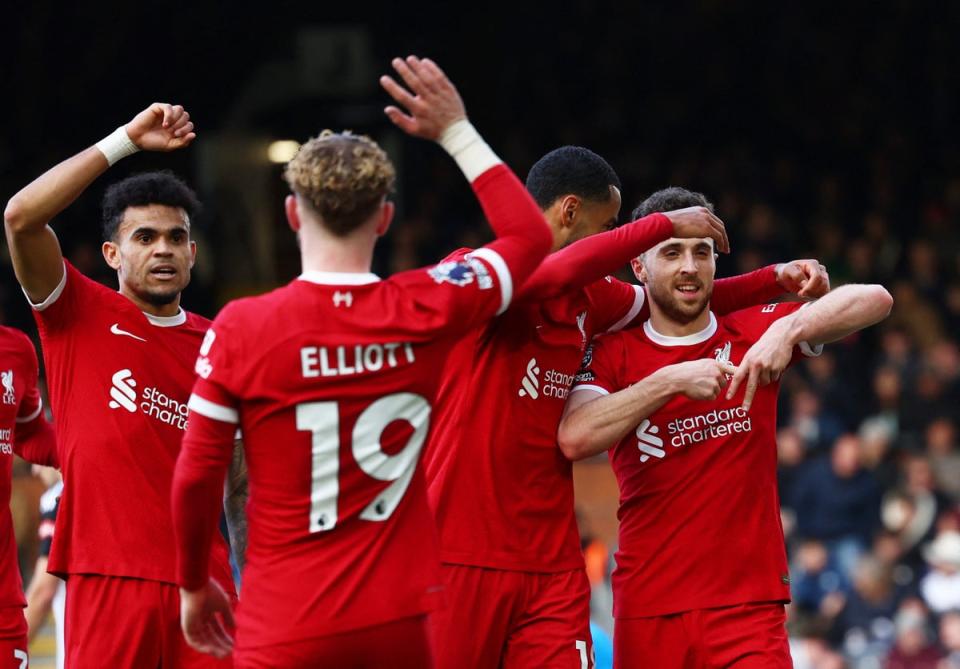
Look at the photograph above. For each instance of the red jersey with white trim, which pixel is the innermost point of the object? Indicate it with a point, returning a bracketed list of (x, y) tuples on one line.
[(118, 381), (332, 379), (699, 510), (500, 489), (19, 403)]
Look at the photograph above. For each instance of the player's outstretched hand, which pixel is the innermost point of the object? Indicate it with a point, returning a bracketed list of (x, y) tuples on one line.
[(805, 278), (763, 363), (700, 379), (699, 222), (207, 619), (161, 127), (432, 103)]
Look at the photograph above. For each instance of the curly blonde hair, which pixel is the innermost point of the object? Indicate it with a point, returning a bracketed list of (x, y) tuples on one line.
[(343, 176)]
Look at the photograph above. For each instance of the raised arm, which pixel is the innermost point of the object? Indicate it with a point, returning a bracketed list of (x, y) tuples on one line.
[(839, 313), (593, 421), (435, 111), (34, 249), (805, 278), (592, 258)]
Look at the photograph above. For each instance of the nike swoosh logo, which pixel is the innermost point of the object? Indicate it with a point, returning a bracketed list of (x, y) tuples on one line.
[(115, 329)]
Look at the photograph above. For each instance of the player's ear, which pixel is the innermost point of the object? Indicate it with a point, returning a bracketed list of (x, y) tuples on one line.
[(387, 210), (193, 252), (569, 206), (111, 253), (293, 216), (639, 270)]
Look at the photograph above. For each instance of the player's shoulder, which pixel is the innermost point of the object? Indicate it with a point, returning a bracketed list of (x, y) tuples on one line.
[(15, 343)]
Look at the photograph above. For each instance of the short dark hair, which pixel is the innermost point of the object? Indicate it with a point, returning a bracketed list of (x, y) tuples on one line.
[(144, 189), (669, 199), (571, 170)]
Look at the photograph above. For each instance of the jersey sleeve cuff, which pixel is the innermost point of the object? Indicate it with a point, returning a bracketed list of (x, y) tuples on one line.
[(590, 386), (33, 414), (52, 297), (638, 301), (805, 347), (473, 155), (213, 410), (499, 265)]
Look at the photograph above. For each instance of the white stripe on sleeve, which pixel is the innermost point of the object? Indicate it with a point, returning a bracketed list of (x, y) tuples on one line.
[(213, 410), (52, 297), (33, 414), (589, 386), (638, 301), (499, 265)]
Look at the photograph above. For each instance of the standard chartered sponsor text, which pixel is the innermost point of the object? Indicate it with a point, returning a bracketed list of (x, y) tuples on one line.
[(710, 425), (164, 408)]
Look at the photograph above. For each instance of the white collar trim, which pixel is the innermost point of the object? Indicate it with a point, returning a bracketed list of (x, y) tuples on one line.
[(686, 340), (167, 321), (339, 278)]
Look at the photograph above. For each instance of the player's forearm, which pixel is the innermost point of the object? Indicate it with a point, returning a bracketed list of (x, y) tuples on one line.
[(600, 424), (35, 441), (594, 257), (39, 596), (523, 238), (236, 493), (197, 495), (745, 290), (41, 200), (837, 314)]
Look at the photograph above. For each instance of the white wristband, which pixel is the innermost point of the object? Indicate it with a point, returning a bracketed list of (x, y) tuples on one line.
[(117, 145), (473, 155)]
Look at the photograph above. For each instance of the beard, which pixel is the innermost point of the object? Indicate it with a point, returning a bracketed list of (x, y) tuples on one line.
[(158, 298), (679, 312)]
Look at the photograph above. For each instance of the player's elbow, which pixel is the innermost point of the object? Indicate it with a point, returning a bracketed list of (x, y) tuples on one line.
[(880, 300), (573, 440), (14, 216)]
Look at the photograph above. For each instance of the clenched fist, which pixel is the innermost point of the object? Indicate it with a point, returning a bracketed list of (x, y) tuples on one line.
[(161, 127)]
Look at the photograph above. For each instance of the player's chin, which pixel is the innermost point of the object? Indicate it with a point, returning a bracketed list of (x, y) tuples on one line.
[(161, 297)]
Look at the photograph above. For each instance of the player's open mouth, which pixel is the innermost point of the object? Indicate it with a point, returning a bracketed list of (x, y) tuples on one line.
[(688, 288), (164, 271)]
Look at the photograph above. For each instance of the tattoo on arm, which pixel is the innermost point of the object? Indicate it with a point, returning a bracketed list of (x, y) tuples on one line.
[(235, 502)]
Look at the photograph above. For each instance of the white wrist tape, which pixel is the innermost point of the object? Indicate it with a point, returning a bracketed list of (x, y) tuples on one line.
[(117, 145), (473, 155)]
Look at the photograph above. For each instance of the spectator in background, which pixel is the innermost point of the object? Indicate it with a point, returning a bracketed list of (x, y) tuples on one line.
[(941, 448), (913, 648), (815, 576), (864, 626), (838, 502), (941, 586), (950, 639)]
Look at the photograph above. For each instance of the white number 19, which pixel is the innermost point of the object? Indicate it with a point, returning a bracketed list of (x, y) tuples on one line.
[(322, 420)]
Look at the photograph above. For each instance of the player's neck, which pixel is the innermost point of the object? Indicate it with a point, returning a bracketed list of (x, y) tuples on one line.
[(670, 327), (163, 310), (324, 253)]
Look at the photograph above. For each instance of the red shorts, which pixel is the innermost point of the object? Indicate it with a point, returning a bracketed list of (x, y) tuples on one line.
[(400, 644), (513, 619), (128, 623), (13, 638), (746, 636)]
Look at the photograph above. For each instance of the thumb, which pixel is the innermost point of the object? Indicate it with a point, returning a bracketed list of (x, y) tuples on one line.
[(728, 368)]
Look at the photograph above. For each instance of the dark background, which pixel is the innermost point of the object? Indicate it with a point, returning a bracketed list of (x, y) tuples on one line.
[(818, 130)]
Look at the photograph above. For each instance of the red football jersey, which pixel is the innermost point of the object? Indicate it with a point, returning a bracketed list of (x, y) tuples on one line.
[(332, 379), (19, 403), (699, 511), (500, 489), (119, 381)]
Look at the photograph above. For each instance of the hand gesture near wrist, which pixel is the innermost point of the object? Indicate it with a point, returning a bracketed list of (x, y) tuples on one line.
[(432, 103), (206, 617), (804, 278), (699, 222), (161, 127)]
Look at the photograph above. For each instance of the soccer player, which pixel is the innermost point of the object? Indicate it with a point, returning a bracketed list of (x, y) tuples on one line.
[(501, 490), (119, 372), (23, 430), (332, 380), (701, 576)]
